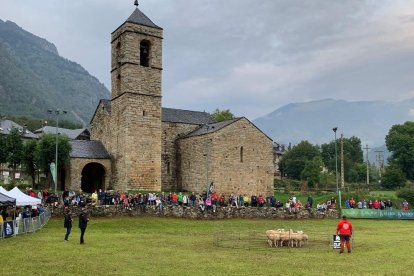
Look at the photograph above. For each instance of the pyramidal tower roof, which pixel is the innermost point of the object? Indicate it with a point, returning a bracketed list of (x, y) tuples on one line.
[(138, 17)]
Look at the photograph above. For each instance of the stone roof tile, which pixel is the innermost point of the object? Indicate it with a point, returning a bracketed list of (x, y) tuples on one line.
[(88, 149), (6, 126), (138, 17), (186, 116), (71, 133), (210, 128)]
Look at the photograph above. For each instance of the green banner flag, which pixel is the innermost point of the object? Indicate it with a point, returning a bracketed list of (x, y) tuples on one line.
[(53, 170), (378, 214)]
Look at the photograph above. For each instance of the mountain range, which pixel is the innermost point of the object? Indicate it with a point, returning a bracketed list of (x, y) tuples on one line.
[(314, 121), (34, 78)]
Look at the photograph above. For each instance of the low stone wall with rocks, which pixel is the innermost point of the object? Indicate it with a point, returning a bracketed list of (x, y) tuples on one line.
[(197, 213)]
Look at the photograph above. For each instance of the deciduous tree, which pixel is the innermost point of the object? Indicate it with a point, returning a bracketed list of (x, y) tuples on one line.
[(312, 171), (46, 151), (393, 177), (30, 159), (400, 142), (222, 115), (294, 161), (14, 149)]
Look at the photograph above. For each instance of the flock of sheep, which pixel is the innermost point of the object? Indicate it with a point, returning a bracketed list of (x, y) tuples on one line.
[(280, 237)]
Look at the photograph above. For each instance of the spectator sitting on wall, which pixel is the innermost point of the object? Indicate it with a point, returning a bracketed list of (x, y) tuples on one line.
[(201, 203), (222, 201), (352, 203), (260, 201), (382, 204), (389, 204), (192, 199), (404, 205), (278, 204), (180, 199), (94, 198), (174, 199), (376, 204), (272, 201), (309, 201), (254, 200), (241, 200), (65, 193), (298, 205), (245, 200), (347, 205), (321, 207)]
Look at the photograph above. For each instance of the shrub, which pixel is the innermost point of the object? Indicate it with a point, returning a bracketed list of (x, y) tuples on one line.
[(407, 194)]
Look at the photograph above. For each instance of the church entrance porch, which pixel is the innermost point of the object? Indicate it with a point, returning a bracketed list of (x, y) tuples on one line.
[(93, 177), (88, 174)]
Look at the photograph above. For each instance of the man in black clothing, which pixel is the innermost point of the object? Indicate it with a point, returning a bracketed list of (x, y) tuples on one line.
[(68, 223), (83, 223)]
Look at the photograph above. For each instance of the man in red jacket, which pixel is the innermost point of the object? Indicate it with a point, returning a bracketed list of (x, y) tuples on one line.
[(344, 230)]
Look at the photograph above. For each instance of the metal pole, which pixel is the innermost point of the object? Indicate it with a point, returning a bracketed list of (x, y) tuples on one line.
[(342, 163), (367, 166), (336, 161), (56, 153)]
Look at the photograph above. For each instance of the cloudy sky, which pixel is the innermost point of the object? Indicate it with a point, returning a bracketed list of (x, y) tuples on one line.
[(249, 56)]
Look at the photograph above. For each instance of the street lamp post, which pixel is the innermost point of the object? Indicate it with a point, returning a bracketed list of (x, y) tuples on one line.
[(336, 161), (57, 112)]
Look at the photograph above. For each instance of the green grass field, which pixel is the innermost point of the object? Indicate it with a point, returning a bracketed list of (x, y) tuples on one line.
[(164, 246)]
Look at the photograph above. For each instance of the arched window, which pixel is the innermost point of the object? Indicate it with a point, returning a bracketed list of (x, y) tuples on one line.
[(241, 154), (144, 53)]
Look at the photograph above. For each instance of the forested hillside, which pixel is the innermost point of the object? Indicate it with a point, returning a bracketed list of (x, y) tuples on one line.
[(34, 78)]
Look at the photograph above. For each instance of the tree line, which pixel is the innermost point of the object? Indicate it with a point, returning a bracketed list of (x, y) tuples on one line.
[(314, 163), (32, 155)]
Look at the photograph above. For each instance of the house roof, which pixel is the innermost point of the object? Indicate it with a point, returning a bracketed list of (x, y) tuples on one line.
[(210, 128), (6, 126), (138, 17), (88, 149), (186, 116), (71, 133)]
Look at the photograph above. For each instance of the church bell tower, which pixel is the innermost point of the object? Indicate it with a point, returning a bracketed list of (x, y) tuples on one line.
[(136, 103)]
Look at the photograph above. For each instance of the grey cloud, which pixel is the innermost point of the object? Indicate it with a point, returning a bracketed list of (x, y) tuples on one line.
[(249, 56)]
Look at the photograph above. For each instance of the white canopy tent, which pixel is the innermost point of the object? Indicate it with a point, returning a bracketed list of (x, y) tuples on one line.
[(23, 199), (4, 191)]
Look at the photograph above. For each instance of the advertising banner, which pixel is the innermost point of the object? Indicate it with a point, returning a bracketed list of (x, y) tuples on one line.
[(53, 170), (378, 214), (8, 229)]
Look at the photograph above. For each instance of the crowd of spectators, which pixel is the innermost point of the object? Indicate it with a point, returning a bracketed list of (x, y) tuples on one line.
[(205, 201), (381, 204)]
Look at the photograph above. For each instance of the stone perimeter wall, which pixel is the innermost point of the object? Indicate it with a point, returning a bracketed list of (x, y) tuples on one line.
[(196, 213)]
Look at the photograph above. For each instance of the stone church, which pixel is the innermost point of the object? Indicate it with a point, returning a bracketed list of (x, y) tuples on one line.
[(136, 144)]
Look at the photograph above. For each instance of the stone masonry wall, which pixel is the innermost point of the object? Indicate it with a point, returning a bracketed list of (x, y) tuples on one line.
[(170, 133), (231, 168), (196, 213), (136, 144), (194, 169), (101, 127)]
